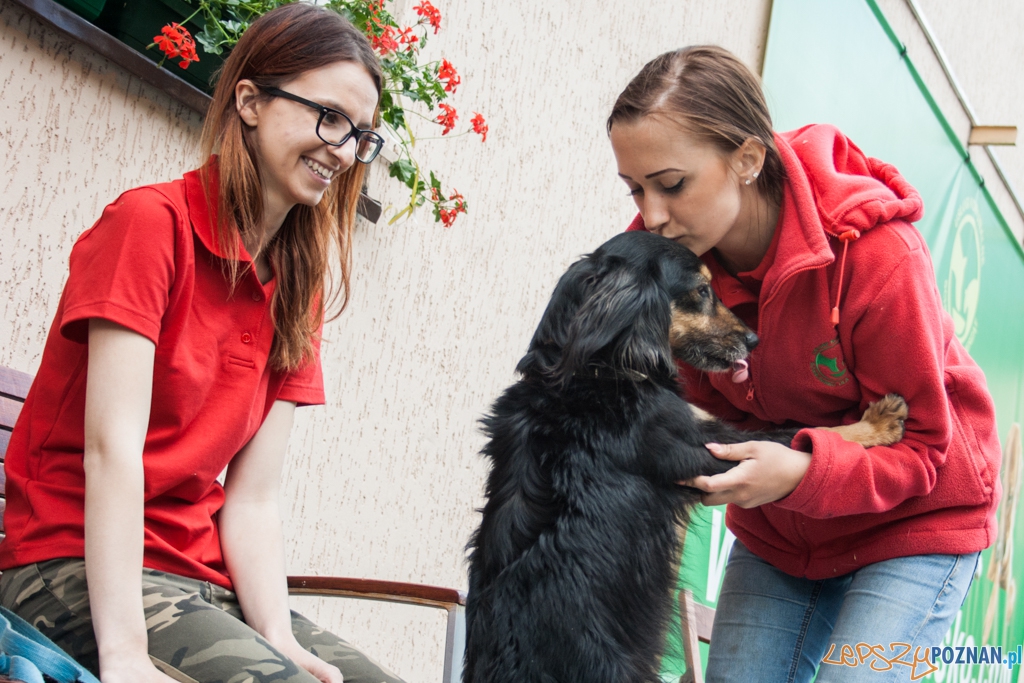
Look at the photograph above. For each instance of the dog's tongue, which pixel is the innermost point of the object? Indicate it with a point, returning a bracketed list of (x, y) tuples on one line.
[(740, 371)]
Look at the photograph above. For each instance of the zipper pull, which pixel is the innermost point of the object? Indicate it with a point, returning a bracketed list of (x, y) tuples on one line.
[(750, 392)]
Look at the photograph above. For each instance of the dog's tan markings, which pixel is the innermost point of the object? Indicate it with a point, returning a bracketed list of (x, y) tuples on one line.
[(881, 425), (701, 415), (685, 323), (722, 321), (705, 272)]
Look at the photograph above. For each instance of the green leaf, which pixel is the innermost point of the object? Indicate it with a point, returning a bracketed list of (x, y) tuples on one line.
[(395, 117), (423, 94), (404, 170), (210, 43)]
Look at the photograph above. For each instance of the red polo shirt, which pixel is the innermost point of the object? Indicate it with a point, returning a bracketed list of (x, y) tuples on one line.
[(151, 263)]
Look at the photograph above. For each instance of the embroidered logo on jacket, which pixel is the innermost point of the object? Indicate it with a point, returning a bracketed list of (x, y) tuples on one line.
[(828, 365)]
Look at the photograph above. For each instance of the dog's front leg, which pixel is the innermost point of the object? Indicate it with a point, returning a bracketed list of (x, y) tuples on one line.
[(675, 436), (716, 431), (673, 442)]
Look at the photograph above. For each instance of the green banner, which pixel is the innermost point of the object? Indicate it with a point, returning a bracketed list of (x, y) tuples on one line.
[(840, 62)]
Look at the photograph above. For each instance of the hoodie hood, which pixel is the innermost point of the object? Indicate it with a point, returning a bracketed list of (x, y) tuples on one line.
[(835, 189), (838, 188)]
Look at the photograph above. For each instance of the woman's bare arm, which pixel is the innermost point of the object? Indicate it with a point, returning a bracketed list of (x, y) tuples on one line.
[(252, 542), (118, 394)]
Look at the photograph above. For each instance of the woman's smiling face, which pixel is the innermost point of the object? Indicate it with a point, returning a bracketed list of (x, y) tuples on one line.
[(686, 189), (296, 166)]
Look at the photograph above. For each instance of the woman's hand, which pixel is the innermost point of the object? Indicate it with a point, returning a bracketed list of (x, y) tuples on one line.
[(766, 472), (324, 672), (131, 668)]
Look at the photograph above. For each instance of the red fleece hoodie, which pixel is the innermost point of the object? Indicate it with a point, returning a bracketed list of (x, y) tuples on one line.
[(934, 492)]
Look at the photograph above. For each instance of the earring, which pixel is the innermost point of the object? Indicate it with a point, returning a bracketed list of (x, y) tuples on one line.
[(748, 181), (755, 174)]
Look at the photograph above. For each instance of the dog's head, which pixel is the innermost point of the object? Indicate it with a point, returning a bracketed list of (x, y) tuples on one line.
[(629, 307)]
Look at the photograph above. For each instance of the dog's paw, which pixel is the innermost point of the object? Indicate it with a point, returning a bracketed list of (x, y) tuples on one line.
[(881, 425), (887, 416)]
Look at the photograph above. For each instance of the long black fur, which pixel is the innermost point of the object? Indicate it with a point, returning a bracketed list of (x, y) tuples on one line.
[(572, 567)]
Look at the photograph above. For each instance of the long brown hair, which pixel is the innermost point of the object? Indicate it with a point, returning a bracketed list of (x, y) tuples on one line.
[(277, 47), (713, 95)]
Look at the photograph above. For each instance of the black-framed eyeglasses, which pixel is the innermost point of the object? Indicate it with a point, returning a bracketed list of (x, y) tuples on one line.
[(335, 127)]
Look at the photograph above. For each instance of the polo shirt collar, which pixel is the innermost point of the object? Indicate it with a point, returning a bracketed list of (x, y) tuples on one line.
[(204, 217)]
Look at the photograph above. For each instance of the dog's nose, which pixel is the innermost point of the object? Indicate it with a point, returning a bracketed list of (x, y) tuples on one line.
[(751, 340)]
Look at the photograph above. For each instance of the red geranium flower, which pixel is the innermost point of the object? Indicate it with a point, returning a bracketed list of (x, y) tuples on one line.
[(448, 118), (176, 41), (430, 13), (385, 42), (479, 125), (406, 37), (448, 215), (448, 74)]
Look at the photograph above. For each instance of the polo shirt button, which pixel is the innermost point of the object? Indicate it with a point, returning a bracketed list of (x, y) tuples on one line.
[(256, 296), (246, 337)]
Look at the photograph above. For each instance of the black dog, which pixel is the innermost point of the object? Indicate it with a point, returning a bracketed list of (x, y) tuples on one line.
[(572, 568)]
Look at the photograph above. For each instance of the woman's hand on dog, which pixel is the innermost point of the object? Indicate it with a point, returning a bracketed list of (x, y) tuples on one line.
[(766, 472)]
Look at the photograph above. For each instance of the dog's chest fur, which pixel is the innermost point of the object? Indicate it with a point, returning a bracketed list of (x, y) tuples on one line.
[(577, 530)]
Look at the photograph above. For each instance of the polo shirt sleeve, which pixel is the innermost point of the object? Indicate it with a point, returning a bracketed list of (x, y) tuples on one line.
[(305, 386), (123, 267)]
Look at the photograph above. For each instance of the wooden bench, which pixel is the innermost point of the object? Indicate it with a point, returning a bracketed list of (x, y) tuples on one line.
[(696, 620), (14, 387)]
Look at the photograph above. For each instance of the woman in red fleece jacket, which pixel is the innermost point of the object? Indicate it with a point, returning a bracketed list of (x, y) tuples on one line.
[(810, 242)]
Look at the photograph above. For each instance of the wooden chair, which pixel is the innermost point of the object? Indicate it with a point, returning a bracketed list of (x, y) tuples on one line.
[(696, 620), (13, 389)]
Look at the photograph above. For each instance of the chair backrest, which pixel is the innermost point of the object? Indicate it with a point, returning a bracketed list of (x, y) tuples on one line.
[(696, 621), (13, 390)]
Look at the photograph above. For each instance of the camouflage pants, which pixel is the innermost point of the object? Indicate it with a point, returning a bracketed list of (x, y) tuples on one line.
[(196, 629)]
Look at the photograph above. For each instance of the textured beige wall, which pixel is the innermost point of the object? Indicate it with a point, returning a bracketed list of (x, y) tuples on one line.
[(384, 480), (75, 131)]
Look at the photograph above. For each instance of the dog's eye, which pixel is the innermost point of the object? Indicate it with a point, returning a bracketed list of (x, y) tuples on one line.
[(704, 291)]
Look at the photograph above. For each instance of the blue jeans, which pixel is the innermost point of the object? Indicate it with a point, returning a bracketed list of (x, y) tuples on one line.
[(776, 628)]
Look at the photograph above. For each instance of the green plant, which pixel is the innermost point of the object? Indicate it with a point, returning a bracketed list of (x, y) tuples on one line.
[(409, 85)]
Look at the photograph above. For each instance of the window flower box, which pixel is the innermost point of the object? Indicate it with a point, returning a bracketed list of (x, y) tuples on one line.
[(136, 23), (88, 9)]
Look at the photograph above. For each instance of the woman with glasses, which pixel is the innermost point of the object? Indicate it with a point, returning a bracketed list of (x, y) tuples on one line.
[(187, 333)]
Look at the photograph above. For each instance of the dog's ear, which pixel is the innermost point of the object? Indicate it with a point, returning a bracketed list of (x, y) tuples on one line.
[(624, 322), (572, 290)]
